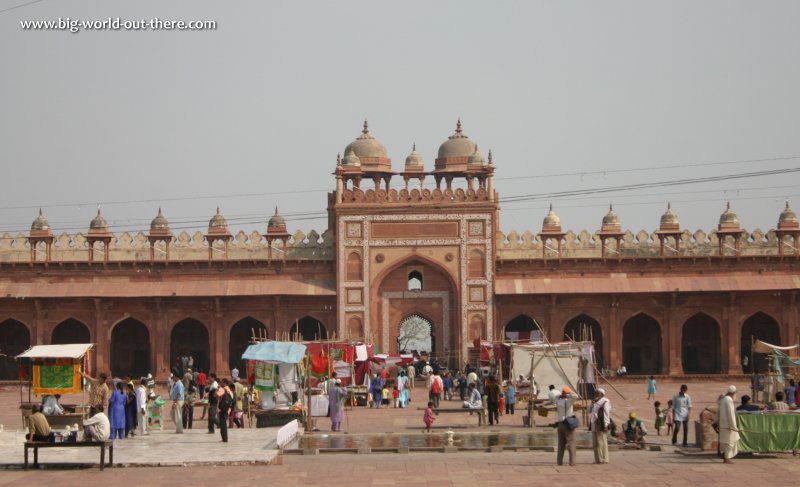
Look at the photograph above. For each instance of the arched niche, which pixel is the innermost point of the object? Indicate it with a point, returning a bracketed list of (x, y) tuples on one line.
[(701, 345), (585, 328), (523, 327), (416, 335), (14, 339), (70, 331), (308, 329), (130, 349), (190, 337), (641, 345), (239, 339), (759, 326)]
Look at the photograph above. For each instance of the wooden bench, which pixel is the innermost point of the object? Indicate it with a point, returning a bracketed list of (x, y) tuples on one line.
[(70, 444), (480, 412)]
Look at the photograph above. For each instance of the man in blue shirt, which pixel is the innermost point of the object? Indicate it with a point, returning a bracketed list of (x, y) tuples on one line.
[(511, 398), (682, 408), (177, 395)]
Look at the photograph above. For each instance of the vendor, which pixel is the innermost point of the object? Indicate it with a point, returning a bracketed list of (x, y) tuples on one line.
[(98, 427), (38, 427), (50, 405), (634, 430)]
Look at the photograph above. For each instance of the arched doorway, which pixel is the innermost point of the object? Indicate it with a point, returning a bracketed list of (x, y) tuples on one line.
[(641, 345), (584, 327), (523, 327), (239, 339), (308, 329), (130, 349), (760, 326), (14, 339), (700, 345), (416, 335), (70, 331), (190, 337)]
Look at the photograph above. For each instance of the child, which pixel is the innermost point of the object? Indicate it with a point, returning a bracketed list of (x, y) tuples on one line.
[(651, 388), (428, 417), (396, 396), (669, 417), (659, 417), (385, 397)]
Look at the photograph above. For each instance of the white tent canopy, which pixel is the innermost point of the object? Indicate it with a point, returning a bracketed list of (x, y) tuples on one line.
[(72, 350), (764, 347)]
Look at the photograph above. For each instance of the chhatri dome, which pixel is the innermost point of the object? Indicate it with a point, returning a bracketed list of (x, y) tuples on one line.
[(159, 222), (98, 222), (788, 219), (551, 223), (728, 220), (368, 151), (276, 224), (40, 223), (476, 158), (414, 160), (611, 221), (669, 220), (455, 151), (218, 222)]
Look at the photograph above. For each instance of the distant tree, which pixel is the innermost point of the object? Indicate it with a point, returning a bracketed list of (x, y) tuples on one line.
[(415, 334)]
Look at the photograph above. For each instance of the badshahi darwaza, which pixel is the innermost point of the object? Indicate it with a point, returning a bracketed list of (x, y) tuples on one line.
[(395, 257)]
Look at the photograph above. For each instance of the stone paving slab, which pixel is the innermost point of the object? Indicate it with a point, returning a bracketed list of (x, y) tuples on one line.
[(194, 447)]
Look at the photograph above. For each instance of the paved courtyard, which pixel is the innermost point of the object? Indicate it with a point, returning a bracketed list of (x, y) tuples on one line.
[(232, 461)]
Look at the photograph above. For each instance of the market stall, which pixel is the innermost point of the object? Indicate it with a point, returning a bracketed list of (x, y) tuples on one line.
[(276, 375), (55, 369), (764, 432)]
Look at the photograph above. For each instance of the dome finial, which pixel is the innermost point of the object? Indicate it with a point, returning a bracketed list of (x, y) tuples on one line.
[(159, 211), (669, 205), (414, 148), (729, 205), (338, 159), (217, 210), (458, 125), (40, 210), (611, 207), (787, 207), (551, 206), (490, 156), (276, 209), (365, 130)]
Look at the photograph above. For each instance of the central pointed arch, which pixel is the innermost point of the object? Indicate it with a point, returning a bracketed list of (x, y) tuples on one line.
[(14, 339), (585, 328), (239, 339), (70, 331), (641, 345), (130, 349), (523, 327), (701, 345), (759, 326), (309, 329), (190, 337), (416, 335)]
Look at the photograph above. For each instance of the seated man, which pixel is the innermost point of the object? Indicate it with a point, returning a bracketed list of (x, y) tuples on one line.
[(633, 430), (50, 405), (779, 404), (97, 428), (38, 427), (746, 405), (474, 401)]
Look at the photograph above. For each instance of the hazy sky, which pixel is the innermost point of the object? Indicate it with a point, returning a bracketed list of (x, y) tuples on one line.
[(251, 115)]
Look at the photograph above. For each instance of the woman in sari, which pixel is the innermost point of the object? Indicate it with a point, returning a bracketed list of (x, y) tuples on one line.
[(336, 396), (402, 386), (130, 411)]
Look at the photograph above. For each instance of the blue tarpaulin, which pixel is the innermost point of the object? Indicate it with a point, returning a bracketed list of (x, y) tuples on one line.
[(276, 352)]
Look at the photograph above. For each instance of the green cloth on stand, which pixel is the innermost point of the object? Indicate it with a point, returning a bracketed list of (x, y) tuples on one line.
[(764, 433)]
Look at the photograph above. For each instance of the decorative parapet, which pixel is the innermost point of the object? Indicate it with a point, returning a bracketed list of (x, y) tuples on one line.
[(406, 196), (184, 247), (642, 244)]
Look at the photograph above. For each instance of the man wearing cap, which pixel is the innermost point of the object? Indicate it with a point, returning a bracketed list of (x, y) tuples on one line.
[(566, 435), (728, 427), (599, 424), (634, 430)]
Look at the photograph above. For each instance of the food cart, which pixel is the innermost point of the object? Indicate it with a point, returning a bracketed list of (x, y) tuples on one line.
[(55, 369)]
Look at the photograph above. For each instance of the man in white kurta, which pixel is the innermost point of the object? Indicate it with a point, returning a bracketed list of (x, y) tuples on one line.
[(728, 427)]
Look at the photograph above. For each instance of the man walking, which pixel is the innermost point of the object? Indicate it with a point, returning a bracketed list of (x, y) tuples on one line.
[(178, 395), (682, 409), (213, 400), (728, 427), (141, 406), (98, 395), (599, 424), (493, 400), (566, 435)]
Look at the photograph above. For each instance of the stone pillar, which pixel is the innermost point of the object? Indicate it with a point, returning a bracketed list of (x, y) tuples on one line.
[(161, 339), (554, 333), (38, 326), (614, 336), (790, 319), (673, 338), (730, 330), (102, 357), (218, 352)]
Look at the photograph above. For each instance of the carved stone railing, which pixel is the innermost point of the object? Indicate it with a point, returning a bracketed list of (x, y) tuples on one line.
[(587, 245), (184, 247), (410, 196)]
